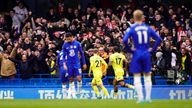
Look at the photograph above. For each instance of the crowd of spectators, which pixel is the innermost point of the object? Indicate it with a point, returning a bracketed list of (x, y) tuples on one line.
[(29, 45)]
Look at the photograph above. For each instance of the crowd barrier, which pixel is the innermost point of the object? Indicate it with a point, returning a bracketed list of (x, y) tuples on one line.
[(158, 92)]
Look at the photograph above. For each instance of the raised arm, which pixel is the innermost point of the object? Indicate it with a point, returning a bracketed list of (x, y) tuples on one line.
[(14, 51), (13, 60)]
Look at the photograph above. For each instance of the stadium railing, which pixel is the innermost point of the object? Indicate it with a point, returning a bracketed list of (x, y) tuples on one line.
[(45, 80)]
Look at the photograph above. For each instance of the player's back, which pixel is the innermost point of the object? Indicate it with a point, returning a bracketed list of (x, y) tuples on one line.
[(96, 65), (141, 34), (117, 61)]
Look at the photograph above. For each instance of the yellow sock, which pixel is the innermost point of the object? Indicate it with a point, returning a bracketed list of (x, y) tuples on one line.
[(130, 86), (115, 94), (95, 90), (105, 91)]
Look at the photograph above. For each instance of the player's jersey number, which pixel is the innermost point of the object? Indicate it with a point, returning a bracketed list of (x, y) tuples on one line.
[(118, 61), (142, 34), (98, 63), (61, 57)]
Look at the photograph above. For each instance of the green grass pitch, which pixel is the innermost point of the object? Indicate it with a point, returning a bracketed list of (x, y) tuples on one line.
[(94, 104)]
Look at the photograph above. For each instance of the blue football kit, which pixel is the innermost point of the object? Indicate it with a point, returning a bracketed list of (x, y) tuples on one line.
[(71, 51), (141, 35)]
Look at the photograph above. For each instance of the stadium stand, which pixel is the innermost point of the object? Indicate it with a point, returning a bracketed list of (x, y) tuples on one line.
[(40, 38)]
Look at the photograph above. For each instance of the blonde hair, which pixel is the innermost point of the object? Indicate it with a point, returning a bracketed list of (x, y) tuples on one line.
[(138, 15), (95, 50)]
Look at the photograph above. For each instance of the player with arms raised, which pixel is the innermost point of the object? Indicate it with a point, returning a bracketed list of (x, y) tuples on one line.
[(141, 34), (96, 66), (71, 48), (117, 60)]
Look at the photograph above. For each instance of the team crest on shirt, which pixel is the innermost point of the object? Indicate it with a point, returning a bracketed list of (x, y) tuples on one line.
[(75, 46)]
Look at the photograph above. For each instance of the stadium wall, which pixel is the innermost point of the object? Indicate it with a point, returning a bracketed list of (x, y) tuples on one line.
[(158, 92)]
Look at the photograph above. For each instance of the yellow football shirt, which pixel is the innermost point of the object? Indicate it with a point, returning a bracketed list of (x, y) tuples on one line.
[(117, 63), (96, 66)]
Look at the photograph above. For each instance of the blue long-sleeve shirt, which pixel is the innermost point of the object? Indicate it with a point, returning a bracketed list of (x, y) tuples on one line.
[(71, 51), (141, 34)]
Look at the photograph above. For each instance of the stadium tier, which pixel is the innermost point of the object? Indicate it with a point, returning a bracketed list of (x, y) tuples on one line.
[(95, 53)]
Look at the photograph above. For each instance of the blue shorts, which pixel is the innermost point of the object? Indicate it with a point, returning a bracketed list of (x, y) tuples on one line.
[(63, 74), (74, 70), (141, 62)]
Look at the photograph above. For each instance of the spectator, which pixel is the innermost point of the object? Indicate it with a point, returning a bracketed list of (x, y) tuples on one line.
[(3, 24), (185, 61), (51, 62), (21, 12), (16, 25), (8, 70), (159, 64), (97, 27), (25, 66), (52, 16)]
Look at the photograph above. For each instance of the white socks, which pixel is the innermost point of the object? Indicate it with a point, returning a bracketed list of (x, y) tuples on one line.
[(64, 87), (138, 87), (72, 91), (148, 84), (64, 90), (79, 86)]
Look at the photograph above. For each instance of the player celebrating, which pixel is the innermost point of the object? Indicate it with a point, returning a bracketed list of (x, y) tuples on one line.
[(96, 66), (63, 73), (141, 60), (71, 48), (116, 60)]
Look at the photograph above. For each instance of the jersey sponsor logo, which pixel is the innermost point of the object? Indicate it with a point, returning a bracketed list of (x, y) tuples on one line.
[(71, 53)]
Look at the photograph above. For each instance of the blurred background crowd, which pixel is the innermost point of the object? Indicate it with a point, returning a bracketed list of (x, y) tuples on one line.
[(29, 42)]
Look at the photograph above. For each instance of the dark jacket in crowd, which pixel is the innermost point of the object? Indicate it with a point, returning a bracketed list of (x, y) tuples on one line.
[(25, 68)]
